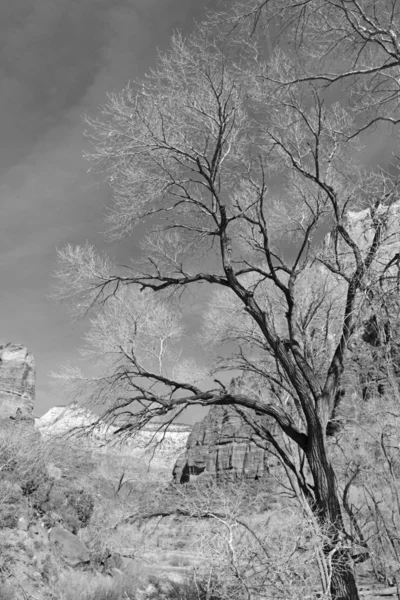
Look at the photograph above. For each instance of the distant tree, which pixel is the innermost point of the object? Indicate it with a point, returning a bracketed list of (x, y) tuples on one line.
[(232, 161)]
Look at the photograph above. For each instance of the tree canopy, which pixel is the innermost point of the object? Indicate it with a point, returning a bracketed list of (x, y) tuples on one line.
[(241, 163)]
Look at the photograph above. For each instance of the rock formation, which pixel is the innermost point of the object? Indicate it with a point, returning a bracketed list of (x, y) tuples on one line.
[(17, 383), (150, 446), (67, 545), (222, 446)]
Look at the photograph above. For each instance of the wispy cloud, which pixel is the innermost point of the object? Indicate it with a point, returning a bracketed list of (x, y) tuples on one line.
[(58, 59)]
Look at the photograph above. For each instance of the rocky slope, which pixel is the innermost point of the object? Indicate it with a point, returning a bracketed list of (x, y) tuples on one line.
[(224, 447), (17, 383), (150, 445)]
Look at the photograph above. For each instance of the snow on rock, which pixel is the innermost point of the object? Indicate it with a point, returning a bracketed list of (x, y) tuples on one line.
[(162, 448)]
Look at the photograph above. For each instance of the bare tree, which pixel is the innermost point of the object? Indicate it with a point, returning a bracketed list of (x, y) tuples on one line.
[(237, 156), (370, 459), (246, 551)]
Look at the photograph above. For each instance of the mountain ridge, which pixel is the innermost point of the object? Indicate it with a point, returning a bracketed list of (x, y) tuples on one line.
[(160, 446)]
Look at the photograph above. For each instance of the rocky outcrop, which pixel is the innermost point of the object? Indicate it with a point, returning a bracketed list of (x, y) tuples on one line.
[(223, 446), (17, 383)]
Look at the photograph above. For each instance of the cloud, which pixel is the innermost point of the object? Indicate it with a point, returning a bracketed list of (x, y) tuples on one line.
[(51, 53), (58, 59)]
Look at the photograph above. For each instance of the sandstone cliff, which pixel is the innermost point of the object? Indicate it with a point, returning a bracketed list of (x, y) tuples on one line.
[(159, 448), (224, 447), (17, 383)]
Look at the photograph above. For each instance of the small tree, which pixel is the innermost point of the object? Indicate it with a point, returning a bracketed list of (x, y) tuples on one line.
[(246, 551), (237, 155)]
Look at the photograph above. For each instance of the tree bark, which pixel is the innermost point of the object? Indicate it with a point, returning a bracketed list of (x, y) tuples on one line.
[(328, 511)]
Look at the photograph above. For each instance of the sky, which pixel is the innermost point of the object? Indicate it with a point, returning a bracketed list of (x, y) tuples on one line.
[(58, 59)]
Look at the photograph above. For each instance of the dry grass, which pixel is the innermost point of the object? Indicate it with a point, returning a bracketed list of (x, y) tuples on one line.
[(89, 586), (6, 592), (86, 586)]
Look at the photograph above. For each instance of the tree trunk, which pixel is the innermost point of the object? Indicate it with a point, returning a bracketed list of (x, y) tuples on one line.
[(343, 583), (327, 509)]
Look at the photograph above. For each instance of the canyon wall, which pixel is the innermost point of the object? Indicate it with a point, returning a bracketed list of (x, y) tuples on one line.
[(151, 446), (224, 447), (17, 384)]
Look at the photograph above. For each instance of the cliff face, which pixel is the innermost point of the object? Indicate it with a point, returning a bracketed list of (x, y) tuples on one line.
[(159, 449), (17, 383), (222, 446)]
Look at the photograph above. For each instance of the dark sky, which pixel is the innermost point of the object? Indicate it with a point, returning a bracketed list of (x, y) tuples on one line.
[(58, 58)]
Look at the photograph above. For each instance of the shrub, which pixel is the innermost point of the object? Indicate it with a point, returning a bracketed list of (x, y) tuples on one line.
[(74, 505), (24, 465), (83, 503)]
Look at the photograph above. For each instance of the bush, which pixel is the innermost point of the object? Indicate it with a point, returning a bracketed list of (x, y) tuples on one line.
[(83, 503), (74, 506), (25, 459)]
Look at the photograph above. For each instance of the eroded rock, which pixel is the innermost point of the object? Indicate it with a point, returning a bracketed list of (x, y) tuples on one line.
[(223, 446), (17, 383), (150, 446)]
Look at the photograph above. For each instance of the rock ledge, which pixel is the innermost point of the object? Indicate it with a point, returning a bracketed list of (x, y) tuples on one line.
[(17, 383)]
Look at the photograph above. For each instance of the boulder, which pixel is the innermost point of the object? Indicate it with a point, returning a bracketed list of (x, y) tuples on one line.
[(68, 546), (11, 492), (224, 447), (17, 384), (23, 523), (53, 472)]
